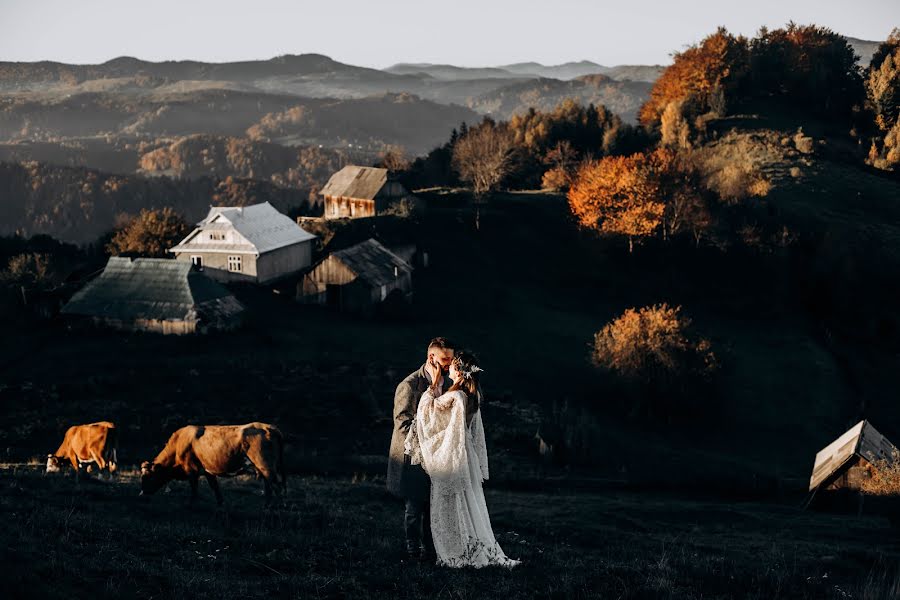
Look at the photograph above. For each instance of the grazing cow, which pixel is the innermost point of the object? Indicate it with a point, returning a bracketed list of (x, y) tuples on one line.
[(217, 450), (83, 445)]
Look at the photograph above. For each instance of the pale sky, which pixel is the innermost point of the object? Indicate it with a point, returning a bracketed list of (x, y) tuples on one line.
[(378, 34)]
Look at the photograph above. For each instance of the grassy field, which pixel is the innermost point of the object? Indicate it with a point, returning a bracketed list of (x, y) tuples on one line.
[(338, 538)]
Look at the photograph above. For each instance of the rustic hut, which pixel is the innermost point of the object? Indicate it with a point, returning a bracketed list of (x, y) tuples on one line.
[(355, 192), (845, 463), (159, 295), (254, 244), (357, 279)]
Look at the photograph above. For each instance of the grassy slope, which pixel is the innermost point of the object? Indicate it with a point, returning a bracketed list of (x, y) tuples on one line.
[(337, 539)]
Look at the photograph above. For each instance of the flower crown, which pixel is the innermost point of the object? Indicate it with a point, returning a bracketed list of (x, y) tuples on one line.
[(467, 371)]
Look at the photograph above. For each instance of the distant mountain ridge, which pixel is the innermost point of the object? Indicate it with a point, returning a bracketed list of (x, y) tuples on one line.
[(564, 72), (127, 66), (45, 85)]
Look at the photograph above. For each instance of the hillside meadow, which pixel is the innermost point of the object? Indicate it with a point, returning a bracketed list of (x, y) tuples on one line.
[(338, 538)]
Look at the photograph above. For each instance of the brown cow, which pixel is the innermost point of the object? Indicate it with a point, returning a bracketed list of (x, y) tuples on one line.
[(217, 450), (95, 443)]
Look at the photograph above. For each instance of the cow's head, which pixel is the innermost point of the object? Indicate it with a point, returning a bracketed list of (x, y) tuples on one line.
[(153, 477), (53, 463)]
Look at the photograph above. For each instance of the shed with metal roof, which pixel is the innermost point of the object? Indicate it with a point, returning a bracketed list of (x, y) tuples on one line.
[(847, 461), (153, 294), (357, 192)]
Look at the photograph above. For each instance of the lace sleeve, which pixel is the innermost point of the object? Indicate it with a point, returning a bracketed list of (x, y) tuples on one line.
[(411, 446), (441, 435)]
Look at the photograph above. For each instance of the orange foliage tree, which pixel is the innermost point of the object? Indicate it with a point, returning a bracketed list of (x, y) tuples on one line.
[(655, 349), (706, 74), (149, 234), (625, 195)]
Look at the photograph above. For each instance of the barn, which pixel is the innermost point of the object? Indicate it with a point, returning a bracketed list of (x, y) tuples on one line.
[(153, 294), (357, 279), (845, 463), (355, 192), (255, 244)]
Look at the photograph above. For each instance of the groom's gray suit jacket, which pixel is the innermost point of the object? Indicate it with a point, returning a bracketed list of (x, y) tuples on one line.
[(406, 480)]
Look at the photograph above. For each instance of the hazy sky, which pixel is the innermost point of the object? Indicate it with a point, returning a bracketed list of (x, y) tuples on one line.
[(378, 34)]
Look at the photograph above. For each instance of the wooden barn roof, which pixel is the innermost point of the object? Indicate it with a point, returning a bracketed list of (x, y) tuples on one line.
[(352, 181), (152, 288), (860, 441), (372, 262)]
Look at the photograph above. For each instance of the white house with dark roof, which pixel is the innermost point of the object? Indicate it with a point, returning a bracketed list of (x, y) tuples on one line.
[(247, 243), (355, 192)]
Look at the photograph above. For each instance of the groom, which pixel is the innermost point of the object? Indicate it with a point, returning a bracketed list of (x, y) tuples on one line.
[(407, 481)]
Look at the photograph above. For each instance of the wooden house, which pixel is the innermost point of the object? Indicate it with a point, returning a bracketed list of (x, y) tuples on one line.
[(355, 192), (255, 244), (152, 294), (357, 279), (843, 464)]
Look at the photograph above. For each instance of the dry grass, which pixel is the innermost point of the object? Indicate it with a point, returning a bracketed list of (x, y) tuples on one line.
[(884, 477), (741, 165)]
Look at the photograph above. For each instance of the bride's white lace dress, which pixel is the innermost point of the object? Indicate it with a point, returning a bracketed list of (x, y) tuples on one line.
[(452, 450)]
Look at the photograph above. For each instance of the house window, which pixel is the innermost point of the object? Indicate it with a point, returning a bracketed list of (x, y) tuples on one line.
[(234, 264), (217, 236), (197, 261)]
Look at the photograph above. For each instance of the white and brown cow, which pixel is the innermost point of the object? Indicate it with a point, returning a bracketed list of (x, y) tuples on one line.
[(83, 445), (217, 450)]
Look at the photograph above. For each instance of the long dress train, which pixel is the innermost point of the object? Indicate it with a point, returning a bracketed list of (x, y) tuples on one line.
[(454, 454)]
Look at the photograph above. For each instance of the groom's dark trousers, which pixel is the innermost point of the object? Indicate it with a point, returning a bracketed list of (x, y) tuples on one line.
[(405, 480)]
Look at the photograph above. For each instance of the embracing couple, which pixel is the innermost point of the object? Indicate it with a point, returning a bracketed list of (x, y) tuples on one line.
[(438, 460)]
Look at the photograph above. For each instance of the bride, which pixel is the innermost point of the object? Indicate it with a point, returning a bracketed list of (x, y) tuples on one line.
[(447, 439)]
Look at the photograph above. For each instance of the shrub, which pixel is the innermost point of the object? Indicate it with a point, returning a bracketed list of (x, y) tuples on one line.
[(556, 179), (654, 351), (31, 269), (884, 477)]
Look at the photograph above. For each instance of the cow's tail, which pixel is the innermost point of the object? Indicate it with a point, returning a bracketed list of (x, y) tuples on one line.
[(112, 440), (281, 473)]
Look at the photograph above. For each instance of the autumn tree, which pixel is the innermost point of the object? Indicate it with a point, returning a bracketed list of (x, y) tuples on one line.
[(654, 350), (394, 159), (675, 131), (621, 194), (562, 162), (883, 94), (484, 156), (150, 234), (29, 269), (808, 68), (803, 67), (707, 74)]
